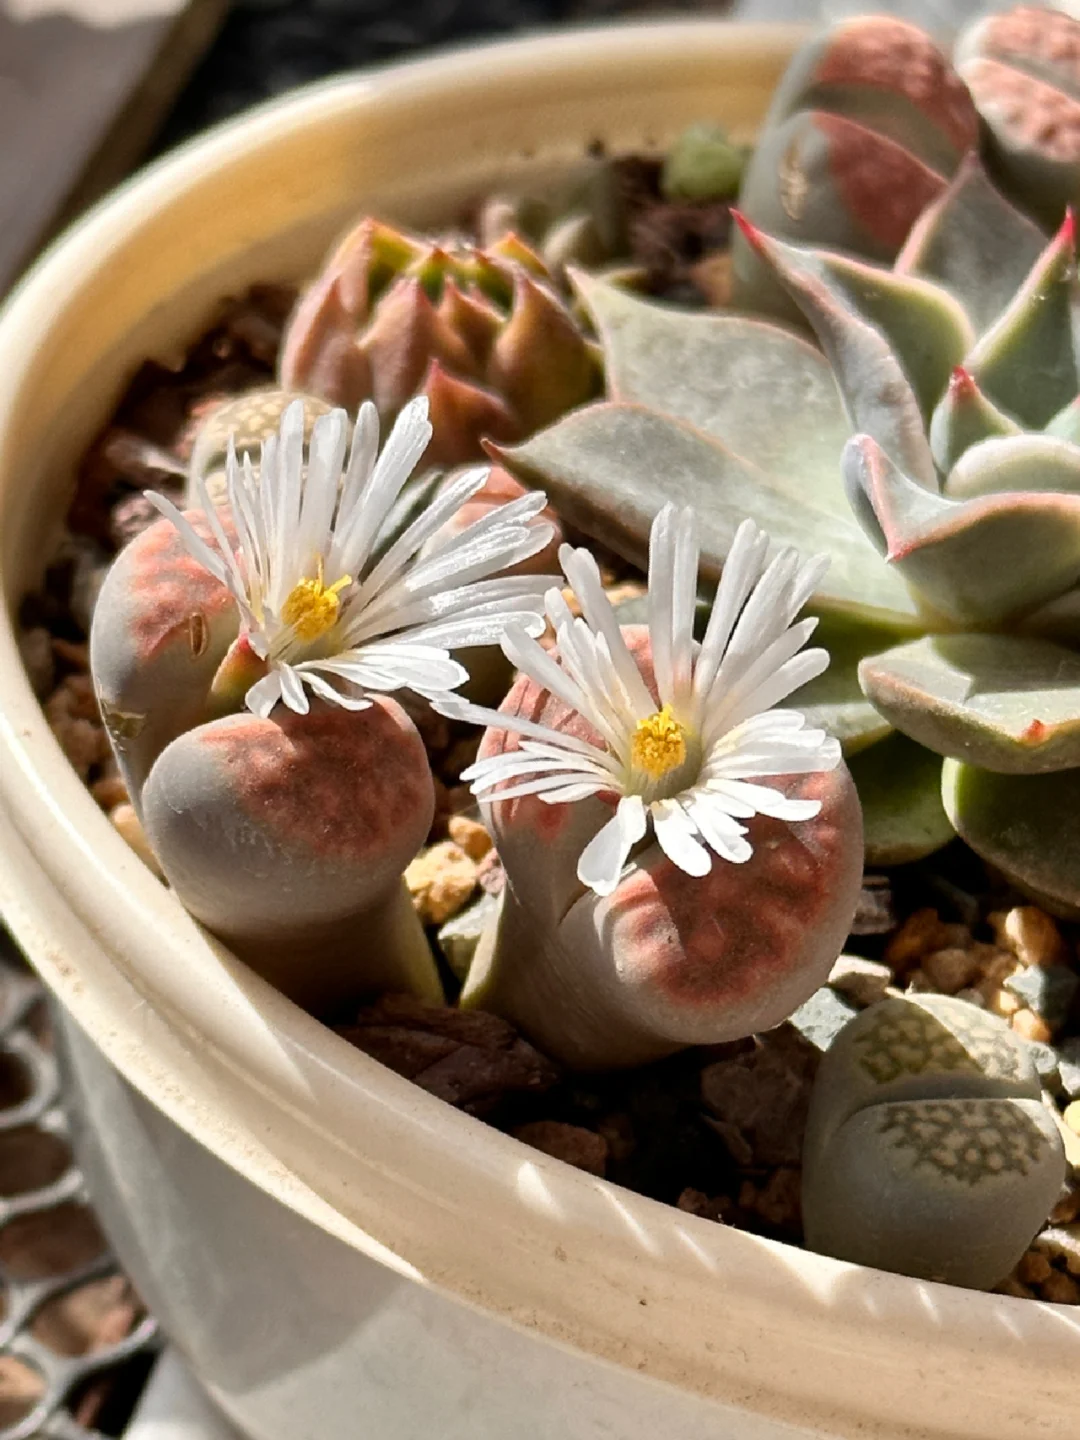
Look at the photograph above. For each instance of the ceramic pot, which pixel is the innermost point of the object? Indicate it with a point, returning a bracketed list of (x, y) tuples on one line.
[(338, 1253)]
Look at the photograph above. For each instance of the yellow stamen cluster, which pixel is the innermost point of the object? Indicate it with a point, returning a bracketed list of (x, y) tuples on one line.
[(312, 606), (659, 744)]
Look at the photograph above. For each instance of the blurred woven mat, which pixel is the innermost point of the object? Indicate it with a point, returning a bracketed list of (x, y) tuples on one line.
[(75, 1342), (84, 87)]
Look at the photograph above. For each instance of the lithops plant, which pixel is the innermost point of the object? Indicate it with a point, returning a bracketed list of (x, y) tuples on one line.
[(483, 334), (957, 368), (682, 858), (865, 129), (928, 1148), (244, 658), (1023, 70)]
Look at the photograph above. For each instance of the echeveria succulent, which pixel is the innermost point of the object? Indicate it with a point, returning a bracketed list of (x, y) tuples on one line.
[(483, 334), (957, 368), (286, 828), (683, 859), (966, 476), (928, 1148), (1023, 70), (866, 127)]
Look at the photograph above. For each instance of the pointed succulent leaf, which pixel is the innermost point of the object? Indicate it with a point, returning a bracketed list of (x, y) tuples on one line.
[(963, 417), (609, 468), (976, 245), (1004, 702), (976, 561), (881, 399), (541, 362), (405, 334), (835, 701), (1017, 463), (1023, 71), (763, 392), (1027, 826), (1066, 423), (1026, 362), (899, 785), (287, 837), (461, 415)]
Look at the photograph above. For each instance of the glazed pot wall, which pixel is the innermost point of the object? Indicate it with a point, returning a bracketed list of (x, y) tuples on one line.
[(298, 1337), (463, 1221)]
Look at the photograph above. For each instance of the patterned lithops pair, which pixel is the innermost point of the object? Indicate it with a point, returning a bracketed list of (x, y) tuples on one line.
[(929, 1150)]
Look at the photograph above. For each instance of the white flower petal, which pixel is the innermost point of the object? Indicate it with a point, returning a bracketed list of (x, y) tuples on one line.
[(602, 861), (676, 836), (264, 695), (763, 800)]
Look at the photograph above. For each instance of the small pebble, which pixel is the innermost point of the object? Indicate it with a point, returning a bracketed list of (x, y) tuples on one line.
[(1045, 1059), (1062, 1242), (1032, 1027), (1067, 1210), (949, 970), (821, 1018), (440, 881), (470, 835), (459, 937), (129, 827), (1068, 1124), (921, 932), (35, 647), (577, 1146), (696, 1202), (1031, 934), (73, 717), (859, 980), (1060, 1289), (874, 914), (1034, 1268), (109, 791), (1069, 1066), (1048, 990)]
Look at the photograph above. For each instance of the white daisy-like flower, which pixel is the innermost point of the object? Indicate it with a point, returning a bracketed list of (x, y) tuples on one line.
[(320, 609), (694, 766)]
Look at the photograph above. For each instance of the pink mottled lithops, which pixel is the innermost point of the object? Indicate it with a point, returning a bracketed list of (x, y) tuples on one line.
[(864, 131), (683, 859), (928, 1149), (1023, 70), (243, 651)]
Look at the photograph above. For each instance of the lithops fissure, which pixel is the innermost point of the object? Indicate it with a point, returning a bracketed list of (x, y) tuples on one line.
[(928, 1148), (242, 654), (683, 859)]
